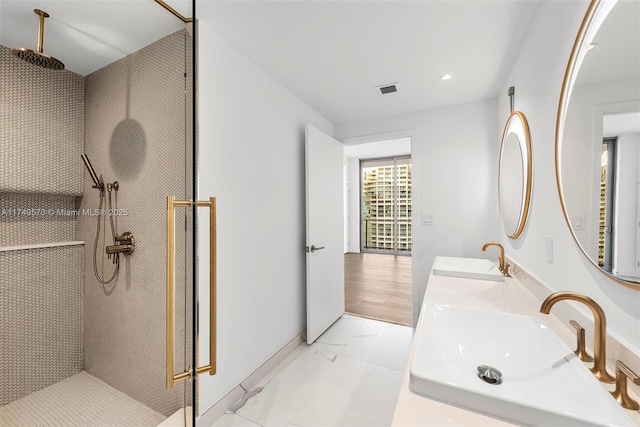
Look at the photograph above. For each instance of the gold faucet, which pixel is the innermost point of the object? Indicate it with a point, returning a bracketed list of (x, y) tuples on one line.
[(503, 269), (600, 327)]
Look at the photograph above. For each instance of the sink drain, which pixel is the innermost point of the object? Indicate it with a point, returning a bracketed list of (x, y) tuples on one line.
[(489, 374)]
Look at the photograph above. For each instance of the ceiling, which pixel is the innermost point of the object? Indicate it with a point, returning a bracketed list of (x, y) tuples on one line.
[(617, 53), (616, 56), (89, 34), (333, 54)]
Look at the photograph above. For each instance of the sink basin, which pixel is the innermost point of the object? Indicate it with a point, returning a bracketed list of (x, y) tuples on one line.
[(543, 383), (467, 268)]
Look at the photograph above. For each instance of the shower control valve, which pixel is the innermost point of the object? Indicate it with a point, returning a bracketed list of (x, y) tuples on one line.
[(125, 245)]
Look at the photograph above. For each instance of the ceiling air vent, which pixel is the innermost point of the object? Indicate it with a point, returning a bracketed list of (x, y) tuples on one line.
[(388, 88)]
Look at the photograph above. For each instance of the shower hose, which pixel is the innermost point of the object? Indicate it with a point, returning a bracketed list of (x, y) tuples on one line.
[(116, 259)]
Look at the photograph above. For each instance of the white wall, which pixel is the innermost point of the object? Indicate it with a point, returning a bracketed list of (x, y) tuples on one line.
[(454, 155), (625, 229), (353, 205), (251, 141), (537, 75)]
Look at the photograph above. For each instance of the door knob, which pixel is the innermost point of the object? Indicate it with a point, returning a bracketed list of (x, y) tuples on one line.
[(314, 248)]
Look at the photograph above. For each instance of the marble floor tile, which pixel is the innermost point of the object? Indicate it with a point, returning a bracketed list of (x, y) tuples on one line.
[(350, 376), (328, 350), (309, 366), (279, 367), (382, 344), (276, 403), (287, 390), (341, 331), (233, 420), (351, 393)]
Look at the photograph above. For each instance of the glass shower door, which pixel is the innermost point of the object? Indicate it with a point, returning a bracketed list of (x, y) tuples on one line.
[(181, 318)]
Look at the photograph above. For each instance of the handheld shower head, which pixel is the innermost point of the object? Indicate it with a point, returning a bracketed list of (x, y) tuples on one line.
[(97, 182)]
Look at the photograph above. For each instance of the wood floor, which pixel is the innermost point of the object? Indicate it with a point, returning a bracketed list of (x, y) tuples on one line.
[(378, 286)]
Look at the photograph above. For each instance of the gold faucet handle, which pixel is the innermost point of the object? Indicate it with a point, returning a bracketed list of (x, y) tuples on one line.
[(581, 348), (505, 272), (620, 393)]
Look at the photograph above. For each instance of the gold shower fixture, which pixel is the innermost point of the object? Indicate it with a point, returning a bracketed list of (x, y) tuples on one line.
[(37, 57)]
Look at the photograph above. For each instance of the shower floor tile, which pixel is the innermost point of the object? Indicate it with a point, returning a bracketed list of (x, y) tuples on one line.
[(81, 400)]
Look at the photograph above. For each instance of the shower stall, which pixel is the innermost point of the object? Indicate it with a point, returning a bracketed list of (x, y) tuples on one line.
[(98, 146)]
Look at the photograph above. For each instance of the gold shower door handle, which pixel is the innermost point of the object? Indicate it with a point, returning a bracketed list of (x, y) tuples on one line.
[(172, 203)]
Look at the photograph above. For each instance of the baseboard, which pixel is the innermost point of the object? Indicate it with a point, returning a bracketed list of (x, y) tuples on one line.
[(232, 398)]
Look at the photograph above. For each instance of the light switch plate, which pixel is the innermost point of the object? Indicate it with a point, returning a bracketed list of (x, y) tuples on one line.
[(427, 219), (576, 222)]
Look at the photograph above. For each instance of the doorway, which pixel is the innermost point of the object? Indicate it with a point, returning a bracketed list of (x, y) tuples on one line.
[(378, 278)]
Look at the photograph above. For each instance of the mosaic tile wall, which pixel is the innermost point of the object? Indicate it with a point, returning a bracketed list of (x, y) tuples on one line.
[(138, 121), (36, 218), (41, 318), (41, 302), (41, 128)]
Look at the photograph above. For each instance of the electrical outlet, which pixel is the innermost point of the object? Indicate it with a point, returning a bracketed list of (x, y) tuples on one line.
[(548, 248)]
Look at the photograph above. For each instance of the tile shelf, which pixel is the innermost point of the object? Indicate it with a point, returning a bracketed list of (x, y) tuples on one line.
[(40, 246)]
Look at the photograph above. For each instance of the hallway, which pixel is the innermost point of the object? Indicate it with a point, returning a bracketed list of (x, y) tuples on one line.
[(378, 286)]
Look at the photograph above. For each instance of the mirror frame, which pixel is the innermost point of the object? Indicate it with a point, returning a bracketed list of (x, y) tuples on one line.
[(524, 142), (595, 15)]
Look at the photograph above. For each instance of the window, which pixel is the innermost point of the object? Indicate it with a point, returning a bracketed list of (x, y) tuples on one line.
[(386, 204)]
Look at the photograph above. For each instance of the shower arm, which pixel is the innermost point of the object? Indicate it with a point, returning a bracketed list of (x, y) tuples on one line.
[(41, 15), (98, 183)]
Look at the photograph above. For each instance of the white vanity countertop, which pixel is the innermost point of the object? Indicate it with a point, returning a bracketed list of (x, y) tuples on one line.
[(508, 296), (470, 268)]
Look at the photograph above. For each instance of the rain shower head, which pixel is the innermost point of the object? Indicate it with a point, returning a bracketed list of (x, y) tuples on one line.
[(37, 57), (98, 182)]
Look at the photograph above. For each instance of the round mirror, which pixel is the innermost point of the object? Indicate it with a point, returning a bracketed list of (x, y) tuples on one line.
[(598, 139), (514, 176)]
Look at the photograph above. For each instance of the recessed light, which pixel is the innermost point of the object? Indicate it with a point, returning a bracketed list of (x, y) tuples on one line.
[(445, 77), (591, 46)]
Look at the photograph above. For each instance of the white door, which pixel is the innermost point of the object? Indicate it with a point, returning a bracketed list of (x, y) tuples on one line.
[(325, 232), (638, 231)]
